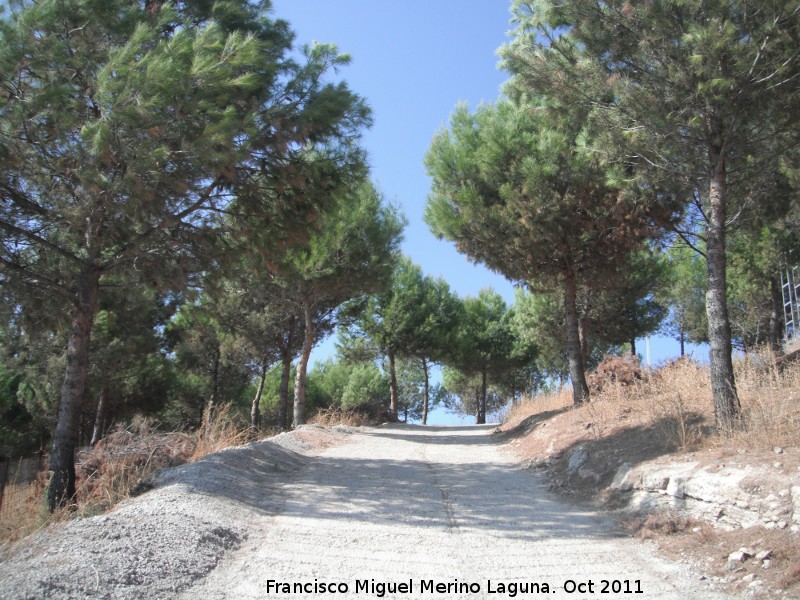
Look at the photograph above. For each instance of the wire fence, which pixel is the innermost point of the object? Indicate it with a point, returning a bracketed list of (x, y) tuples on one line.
[(20, 486)]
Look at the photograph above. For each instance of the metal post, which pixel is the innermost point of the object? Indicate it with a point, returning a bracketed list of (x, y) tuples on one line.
[(790, 290)]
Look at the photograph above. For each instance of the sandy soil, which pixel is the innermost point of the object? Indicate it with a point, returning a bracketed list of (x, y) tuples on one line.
[(393, 505)]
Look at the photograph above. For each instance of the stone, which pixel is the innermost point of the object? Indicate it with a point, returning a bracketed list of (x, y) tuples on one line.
[(763, 555), (621, 481), (778, 450), (782, 524), (655, 482), (577, 459), (675, 487), (737, 557), (589, 474), (796, 503), (749, 577)]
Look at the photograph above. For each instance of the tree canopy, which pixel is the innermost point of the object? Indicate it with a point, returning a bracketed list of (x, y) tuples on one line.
[(519, 187), (131, 134)]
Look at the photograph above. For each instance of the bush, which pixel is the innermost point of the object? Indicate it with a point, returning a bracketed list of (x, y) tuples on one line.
[(620, 370)]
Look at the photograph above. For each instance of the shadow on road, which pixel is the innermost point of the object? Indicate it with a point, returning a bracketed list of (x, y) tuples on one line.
[(437, 486)]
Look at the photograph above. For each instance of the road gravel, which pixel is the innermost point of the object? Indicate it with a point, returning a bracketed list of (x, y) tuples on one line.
[(393, 512)]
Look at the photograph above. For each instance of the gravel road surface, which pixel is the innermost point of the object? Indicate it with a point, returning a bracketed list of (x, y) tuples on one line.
[(404, 504), (396, 512)]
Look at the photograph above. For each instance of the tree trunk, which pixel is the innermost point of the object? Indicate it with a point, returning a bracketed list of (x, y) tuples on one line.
[(4, 461), (633, 346), (683, 342), (302, 368), (61, 489), (255, 408), (287, 353), (477, 405), (580, 390), (484, 387), (393, 392), (776, 317), (727, 409), (425, 396), (212, 400), (583, 334), (283, 391), (100, 417)]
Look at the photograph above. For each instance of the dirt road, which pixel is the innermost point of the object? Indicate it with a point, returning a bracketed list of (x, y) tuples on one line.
[(434, 513)]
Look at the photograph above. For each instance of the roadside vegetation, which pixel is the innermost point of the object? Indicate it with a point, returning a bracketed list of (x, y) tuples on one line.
[(641, 415)]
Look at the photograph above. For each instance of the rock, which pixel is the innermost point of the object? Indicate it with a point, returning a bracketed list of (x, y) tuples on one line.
[(778, 450), (741, 555), (763, 555), (621, 481), (577, 459), (675, 487), (736, 557), (795, 491), (782, 524), (767, 564), (655, 481), (749, 577), (589, 474)]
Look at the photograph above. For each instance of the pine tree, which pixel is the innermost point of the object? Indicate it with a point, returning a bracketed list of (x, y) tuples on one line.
[(686, 91), (415, 317), (352, 254), (132, 133), (486, 349), (519, 187)]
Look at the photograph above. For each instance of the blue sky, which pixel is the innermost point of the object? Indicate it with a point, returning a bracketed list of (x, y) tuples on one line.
[(414, 61)]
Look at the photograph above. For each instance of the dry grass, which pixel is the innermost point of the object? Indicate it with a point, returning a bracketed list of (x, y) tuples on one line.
[(23, 511), (669, 411), (677, 398), (708, 549), (120, 466), (544, 403), (224, 431), (335, 416)]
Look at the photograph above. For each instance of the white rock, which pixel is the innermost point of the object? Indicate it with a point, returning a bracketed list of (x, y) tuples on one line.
[(621, 481), (737, 556), (763, 555), (675, 487)]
